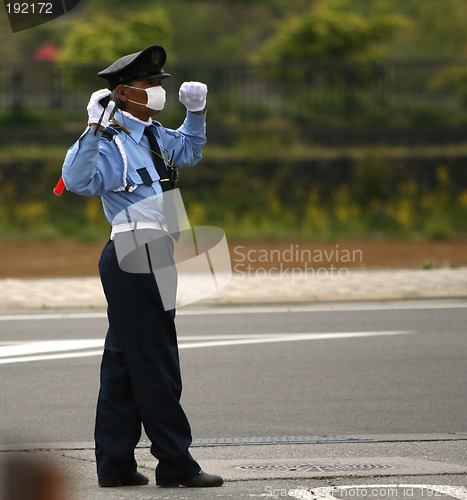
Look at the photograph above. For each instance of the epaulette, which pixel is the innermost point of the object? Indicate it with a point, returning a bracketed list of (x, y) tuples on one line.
[(109, 133), (113, 129)]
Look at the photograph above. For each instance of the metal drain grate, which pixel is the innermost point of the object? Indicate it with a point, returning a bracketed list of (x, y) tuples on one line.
[(276, 440), (242, 441), (310, 467)]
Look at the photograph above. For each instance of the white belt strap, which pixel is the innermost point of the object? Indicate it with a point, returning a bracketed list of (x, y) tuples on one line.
[(132, 226)]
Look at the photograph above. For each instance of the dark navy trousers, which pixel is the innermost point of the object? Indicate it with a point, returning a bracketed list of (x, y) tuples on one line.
[(140, 379)]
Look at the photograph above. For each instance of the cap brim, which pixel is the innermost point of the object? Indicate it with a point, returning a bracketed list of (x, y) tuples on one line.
[(157, 75)]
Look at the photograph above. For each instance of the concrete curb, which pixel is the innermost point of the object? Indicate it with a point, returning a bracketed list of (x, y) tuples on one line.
[(270, 289)]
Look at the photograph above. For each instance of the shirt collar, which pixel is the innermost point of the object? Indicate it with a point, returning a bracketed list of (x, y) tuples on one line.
[(132, 124)]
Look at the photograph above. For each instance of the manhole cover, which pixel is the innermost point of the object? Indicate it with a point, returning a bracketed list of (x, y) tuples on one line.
[(310, 467)]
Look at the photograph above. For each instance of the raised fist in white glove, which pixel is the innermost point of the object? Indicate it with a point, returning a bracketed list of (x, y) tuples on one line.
[(95, 108), (193, 95)]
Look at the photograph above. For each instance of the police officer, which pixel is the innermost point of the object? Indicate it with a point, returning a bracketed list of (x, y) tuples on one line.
[(140, 372)]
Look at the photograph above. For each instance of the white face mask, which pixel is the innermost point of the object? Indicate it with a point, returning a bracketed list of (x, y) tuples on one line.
[(156, 97)]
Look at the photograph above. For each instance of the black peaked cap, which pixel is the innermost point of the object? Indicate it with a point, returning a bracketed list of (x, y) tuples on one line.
[(140, 65)]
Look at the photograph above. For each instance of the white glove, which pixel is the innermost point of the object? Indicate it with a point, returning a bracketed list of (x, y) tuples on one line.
[(193, 95), (95, 109)]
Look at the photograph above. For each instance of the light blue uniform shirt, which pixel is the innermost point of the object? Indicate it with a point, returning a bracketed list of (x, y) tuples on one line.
[(94, 166)]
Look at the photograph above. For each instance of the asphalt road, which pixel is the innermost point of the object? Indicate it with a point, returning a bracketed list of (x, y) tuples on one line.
[(319, 371)]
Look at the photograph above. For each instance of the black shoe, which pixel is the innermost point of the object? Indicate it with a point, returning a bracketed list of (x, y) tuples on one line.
[(201, 480), (137, 479)]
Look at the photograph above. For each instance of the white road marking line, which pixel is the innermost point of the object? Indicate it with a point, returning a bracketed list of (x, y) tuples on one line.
[(40, 316), (376, 491), (59, 349), (289, 338), (43, 346), (48, 357)]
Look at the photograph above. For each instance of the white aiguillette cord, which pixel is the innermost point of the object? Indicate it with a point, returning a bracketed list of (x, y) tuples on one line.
[(119, 126)]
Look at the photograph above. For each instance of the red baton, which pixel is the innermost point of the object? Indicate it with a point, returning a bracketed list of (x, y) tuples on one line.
[(58, 189)]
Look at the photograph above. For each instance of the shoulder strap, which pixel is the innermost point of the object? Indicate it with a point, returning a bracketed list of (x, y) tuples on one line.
[(109, 133), (113, 129)]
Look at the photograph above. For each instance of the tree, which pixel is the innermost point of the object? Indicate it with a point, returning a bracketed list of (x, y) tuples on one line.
[(104, 37), (224, 30), (331, 29), (438, 29)]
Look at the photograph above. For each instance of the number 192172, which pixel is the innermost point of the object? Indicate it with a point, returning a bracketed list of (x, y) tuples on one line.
[(29, 8)]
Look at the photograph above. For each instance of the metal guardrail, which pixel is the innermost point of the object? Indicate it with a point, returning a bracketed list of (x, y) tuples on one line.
[(328, 92)]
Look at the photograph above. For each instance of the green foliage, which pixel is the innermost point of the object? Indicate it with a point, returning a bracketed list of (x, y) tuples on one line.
[(373, 181), (205, 30), (437, 31), (223, 30), (208, 30), (448, 82), (331, 29), (246, 197), (28, 207), (105, 38), (251, 198), (376, 200), (235, 30)]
